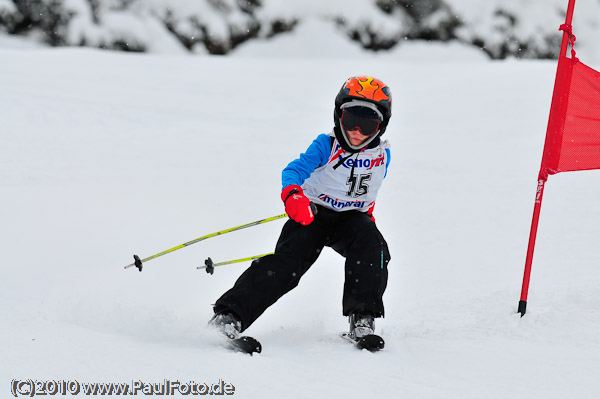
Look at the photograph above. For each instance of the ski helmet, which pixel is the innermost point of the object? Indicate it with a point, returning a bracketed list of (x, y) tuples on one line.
[(366, 92)]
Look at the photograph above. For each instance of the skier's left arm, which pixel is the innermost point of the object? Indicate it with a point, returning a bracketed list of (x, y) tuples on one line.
[(388, 157)]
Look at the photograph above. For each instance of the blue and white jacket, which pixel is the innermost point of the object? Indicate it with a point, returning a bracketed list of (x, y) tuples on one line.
[(337, 179)]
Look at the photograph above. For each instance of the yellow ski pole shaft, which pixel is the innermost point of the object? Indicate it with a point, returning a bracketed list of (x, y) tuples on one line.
[(138, 262), (209, 265)]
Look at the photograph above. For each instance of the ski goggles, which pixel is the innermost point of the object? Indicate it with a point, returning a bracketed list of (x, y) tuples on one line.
[(363, 118)]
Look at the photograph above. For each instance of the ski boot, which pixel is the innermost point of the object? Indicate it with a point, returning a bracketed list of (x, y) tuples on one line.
[(361, 325), (362, 332), (227, 323)]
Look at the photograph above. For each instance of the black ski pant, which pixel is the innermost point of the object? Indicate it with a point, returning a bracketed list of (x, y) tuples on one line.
[(351, 233)]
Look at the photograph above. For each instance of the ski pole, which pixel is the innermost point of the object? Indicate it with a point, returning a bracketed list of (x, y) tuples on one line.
[(138, 262), (209, 265)]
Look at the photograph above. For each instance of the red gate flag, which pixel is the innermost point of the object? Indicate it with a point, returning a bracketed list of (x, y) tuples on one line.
[(573, 136)]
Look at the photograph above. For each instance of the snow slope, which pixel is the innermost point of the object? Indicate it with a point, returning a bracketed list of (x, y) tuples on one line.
[(105, 155)]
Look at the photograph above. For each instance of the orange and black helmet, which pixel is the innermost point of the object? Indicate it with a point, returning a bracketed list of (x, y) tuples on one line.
[(364, 89)]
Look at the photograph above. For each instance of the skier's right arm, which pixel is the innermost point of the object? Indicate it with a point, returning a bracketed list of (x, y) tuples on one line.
[(315, 156), (297, 205)]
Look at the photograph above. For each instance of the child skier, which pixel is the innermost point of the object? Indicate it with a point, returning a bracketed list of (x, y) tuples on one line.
[(329, 194)]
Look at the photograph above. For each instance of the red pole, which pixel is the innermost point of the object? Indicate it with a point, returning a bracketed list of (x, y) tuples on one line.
[(543, 176), (532, 235), (568, 20)]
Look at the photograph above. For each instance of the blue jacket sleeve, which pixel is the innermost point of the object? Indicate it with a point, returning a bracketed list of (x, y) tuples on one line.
[(315, 156), (389, 158)]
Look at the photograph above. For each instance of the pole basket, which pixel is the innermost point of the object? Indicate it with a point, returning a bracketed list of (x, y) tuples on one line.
[(210, 268), (137, 262)]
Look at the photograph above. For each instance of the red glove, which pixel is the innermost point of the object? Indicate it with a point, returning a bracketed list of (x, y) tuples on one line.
[(370, 211), (297, 206)]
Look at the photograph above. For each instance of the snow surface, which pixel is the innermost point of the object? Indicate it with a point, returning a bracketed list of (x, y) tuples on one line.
[(106, 154)]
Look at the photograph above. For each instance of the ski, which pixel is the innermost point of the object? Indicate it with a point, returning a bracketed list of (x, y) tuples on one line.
[(244, 344), (228, 325), (371, 342)]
